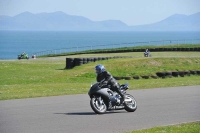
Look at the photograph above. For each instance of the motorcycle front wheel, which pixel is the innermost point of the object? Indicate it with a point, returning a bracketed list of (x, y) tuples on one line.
[(97, 104), (130, 104)]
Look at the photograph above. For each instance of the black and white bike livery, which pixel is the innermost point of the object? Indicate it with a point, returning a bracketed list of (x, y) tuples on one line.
[(101, 96)]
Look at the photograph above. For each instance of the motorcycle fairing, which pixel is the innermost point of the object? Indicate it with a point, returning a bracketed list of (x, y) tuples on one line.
[(105, 93)]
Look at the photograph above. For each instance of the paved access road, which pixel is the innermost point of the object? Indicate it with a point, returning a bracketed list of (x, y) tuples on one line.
[(72, 114)]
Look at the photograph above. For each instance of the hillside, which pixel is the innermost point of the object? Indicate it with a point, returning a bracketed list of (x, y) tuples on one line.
[(60, 21), (176, 22)]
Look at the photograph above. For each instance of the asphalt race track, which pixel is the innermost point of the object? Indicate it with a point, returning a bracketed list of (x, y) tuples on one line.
[(73, 114)]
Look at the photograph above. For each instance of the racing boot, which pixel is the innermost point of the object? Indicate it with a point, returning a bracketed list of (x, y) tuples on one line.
[(122, 98)]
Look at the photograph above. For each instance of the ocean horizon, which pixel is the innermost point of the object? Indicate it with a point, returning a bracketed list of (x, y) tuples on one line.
[(13, 43)]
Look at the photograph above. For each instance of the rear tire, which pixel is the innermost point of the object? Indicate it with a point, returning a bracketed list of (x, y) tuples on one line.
[(98, 106), (131, 105)]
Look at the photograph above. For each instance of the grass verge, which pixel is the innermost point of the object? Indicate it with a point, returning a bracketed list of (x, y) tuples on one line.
[(193, 127), (47, 77), (135, 48)]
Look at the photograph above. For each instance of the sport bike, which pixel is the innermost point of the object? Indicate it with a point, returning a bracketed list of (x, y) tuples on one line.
[(23, 56), (100, 97)]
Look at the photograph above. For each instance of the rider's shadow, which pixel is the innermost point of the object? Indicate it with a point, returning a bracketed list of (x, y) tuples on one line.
[(77, 113), (86, 113)]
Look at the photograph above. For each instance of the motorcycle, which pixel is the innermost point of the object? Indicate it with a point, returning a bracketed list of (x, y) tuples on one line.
[(100, 97), (147, 54), (23, 56)]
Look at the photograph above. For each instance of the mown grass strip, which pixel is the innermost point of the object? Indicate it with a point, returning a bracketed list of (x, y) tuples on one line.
[(47, 77), (193, 127), (164, 47)]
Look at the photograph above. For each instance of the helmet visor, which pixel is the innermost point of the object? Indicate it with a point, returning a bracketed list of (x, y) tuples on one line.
[(97, 71)]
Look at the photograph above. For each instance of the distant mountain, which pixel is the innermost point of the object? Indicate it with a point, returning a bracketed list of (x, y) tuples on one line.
[(60, 21), (177, 22), (57, 21)]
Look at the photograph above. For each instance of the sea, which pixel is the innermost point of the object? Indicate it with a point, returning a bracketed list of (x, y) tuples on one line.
[(13, 43)]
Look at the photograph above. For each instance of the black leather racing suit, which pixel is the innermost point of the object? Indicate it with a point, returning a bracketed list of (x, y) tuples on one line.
[(107, 77)]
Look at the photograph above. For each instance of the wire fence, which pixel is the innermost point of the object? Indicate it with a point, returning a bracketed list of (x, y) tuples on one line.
[(114, 46)]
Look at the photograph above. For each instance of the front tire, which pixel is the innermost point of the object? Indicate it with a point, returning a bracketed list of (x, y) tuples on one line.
[(97, 104), (130, 104)]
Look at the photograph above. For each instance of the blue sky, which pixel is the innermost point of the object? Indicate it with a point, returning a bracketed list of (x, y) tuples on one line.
[(131, 12)]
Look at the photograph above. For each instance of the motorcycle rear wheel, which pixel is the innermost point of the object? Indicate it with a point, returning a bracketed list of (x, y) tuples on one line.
[(98, 106), (130, 105)]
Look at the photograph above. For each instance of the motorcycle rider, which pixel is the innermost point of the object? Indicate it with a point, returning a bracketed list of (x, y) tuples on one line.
[(147, 52), (102, 74)]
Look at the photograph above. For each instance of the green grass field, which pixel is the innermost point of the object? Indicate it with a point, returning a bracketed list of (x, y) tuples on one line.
[(193, 127), (47, 76)]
